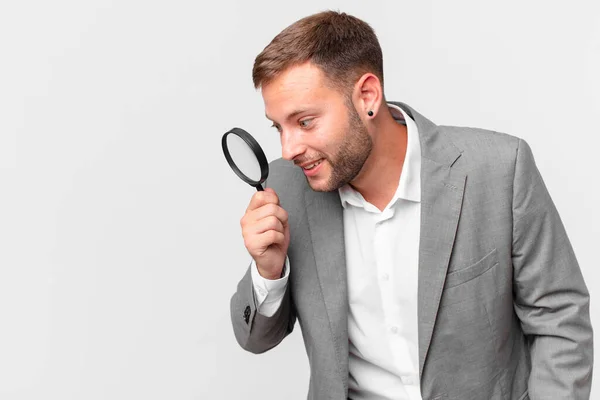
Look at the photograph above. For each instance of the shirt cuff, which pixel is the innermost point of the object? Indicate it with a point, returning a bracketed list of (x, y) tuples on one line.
[(269, 293)]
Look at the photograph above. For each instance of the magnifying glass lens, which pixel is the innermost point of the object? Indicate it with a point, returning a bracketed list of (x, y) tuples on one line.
[(244, 157)]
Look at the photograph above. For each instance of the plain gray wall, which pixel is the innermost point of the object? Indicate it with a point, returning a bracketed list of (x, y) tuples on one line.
[(120, 243)]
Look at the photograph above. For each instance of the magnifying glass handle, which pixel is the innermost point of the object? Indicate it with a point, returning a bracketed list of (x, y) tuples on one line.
[(259, 188)]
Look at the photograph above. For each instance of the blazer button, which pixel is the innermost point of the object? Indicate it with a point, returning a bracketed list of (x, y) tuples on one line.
[(247, 314)]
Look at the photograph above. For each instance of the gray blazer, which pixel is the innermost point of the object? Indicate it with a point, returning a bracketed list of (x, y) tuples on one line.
[(503, 309)]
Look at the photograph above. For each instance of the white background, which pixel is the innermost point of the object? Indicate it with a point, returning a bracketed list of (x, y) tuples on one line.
[(120, 244)]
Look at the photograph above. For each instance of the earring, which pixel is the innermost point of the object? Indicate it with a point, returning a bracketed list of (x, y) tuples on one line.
[(370, 113)]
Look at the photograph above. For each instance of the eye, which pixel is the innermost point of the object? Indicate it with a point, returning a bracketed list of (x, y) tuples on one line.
[(305, 123)]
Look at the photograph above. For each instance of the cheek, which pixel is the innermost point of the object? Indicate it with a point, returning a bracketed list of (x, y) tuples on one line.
[(328, 138)]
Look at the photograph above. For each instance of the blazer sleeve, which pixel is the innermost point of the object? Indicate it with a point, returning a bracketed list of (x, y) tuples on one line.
[(551, 298), (255, 332)]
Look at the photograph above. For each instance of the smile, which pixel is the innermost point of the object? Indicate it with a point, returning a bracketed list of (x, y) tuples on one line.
[(311, 166)]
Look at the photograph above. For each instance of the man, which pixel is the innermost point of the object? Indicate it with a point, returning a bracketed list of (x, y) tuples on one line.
[(421, 261)]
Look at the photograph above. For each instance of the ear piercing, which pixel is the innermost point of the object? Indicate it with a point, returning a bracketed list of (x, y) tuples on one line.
[(370, 113)]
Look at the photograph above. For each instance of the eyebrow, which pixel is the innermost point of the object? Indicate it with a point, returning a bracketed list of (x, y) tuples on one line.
[(292, 115)]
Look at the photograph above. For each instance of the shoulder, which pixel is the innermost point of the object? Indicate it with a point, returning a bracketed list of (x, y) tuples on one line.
[(288, 181), (283, 173), (482, 146), (490, 159)]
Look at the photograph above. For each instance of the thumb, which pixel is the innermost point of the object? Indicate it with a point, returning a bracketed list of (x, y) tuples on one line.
[(269, 190)]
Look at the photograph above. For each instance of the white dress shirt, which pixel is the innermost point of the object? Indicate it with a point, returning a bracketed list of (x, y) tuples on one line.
[(382, 251)]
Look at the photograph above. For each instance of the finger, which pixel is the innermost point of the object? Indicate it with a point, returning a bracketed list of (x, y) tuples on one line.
[(266, 239), (268, 210), (261, 198), (266, 224)]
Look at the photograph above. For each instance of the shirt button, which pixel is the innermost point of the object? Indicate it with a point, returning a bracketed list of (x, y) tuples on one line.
[(385, 277), (394, 329), (262, 291)]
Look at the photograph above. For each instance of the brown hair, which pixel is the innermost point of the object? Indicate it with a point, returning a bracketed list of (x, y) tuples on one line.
[(343, 46)]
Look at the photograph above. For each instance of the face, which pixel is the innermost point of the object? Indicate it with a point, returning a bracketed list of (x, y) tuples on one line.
[(320, 130)]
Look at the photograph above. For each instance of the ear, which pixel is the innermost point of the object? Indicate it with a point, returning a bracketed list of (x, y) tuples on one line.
[(368, 95)]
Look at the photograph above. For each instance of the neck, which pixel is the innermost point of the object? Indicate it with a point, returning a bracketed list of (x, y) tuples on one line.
[(378, 180)]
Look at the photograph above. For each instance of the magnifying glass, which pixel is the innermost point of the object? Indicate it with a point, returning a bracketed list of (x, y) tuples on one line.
[(245, 157)]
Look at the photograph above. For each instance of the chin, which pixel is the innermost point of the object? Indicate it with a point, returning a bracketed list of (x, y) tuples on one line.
[(322, 185), (319, 184)]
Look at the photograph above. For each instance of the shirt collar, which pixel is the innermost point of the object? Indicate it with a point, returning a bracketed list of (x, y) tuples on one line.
[(409, 186)]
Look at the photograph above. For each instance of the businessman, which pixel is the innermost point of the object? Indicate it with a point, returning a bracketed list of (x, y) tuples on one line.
[(421, 261)]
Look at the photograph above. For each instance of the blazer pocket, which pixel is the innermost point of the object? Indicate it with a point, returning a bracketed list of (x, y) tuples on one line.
[(464, 275)]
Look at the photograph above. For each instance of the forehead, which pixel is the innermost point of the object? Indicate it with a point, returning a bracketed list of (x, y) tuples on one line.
[(298, 86)]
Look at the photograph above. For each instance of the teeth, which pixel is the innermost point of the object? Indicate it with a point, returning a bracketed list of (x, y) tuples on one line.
[(311, 166)]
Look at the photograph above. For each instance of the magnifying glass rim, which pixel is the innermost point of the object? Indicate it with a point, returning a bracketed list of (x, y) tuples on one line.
[(256, 149)]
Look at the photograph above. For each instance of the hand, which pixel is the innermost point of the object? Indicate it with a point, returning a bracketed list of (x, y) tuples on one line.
[(266, 233)]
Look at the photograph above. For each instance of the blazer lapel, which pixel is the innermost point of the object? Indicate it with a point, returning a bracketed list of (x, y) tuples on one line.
[(325, 218), (441, 203), (442, 191)]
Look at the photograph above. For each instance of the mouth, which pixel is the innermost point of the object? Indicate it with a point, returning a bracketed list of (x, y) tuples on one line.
[(312, 165), (312, 168)]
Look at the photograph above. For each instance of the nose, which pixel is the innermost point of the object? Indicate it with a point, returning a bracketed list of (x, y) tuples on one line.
[(291, 145)]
